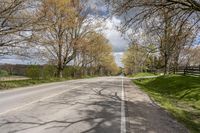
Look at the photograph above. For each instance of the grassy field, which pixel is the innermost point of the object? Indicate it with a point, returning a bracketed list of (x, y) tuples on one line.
[(142, 75), (180, 95), (23, 83)]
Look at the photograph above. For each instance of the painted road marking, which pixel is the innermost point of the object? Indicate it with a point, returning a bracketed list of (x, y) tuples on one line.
[(123, 115), (36, 101)]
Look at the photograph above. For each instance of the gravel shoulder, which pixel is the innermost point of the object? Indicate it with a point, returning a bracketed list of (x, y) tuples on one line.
[(144, 116)]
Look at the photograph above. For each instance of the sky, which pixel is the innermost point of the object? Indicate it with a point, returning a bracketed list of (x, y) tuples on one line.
[(116, 39)]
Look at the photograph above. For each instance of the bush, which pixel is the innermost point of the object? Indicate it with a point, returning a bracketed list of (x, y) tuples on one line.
[(3, 73), (48, 72), (33, 72), (68, 72)]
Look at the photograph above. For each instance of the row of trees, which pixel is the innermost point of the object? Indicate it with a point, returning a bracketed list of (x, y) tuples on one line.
[(62, 33), (170, 25), (140, 59)]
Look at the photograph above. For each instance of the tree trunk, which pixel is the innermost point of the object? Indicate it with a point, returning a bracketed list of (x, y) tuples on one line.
[(176, 64), (166, 42), (166, 65), (60, 63), (60, 69), (59, 72)]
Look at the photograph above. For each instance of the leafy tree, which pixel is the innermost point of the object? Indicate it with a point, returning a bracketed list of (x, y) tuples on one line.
[(138, 59)]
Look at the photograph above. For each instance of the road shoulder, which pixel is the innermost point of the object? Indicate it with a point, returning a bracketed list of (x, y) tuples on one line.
[(144, 116)]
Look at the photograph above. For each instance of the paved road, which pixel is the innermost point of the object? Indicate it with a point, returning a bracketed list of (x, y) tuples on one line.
[(92, 105)]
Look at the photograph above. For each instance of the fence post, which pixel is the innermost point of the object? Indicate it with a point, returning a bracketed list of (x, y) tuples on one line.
[(185, 70)]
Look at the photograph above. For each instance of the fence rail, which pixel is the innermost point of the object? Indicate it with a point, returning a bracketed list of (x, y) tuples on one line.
[(195, 70)]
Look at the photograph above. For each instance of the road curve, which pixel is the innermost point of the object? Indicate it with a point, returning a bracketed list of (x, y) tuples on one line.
[(91, 105)]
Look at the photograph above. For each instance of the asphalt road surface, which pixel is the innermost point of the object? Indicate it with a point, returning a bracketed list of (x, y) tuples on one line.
[(96, 105)]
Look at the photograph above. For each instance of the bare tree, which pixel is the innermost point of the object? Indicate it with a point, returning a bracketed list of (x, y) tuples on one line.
[(165, 20), (63, 30), (16, 21)]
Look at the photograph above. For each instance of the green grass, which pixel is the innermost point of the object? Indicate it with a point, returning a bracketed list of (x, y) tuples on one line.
[(142, 74), (22, 83), (29, 82), (180, 95)]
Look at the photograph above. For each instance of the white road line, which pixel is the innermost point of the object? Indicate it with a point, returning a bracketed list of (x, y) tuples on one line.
[(39, 100), (123, 115)]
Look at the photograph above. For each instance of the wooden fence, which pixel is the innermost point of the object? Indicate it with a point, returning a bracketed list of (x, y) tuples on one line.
[(194, 70)]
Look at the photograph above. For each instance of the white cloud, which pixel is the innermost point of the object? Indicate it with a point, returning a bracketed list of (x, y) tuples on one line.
[(115, 37), (118, 42), (118, 58)]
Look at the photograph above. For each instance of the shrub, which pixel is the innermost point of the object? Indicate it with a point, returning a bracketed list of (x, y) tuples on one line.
[(48, 71), (70, 71), (33, 72), (3, 73)]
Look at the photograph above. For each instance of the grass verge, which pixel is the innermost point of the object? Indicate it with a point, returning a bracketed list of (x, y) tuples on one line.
[(4, 85), (142, 75), (180, 95)]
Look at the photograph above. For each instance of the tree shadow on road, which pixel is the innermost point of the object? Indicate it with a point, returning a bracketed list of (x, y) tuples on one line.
[(100, 114), (95, 110)]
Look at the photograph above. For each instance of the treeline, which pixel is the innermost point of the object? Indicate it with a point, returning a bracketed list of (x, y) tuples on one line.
[(60, 33), (161, 32), (49, 71)]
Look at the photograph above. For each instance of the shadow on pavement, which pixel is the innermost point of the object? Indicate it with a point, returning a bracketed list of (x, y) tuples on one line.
[(100, 112), (94, 110)]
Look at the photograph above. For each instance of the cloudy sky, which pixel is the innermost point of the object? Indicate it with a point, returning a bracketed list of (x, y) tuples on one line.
[(116, 39)]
